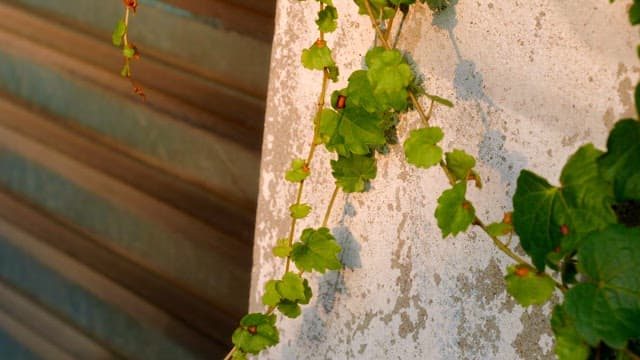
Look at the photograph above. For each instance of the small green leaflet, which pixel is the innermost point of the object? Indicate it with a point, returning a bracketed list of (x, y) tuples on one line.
[(291, 287), (282, 248), (298, 171), (257, 332), (299, 211), (239, 355), (390, 75), (607, 306), (421, 149), (454, 213), (439, 100), (581, 205), (499, 229), (353, 173), (317, 57), (634, 13), (352, 131), (271, 295), (621, 163), (527, 286), (327, 19), (569, 345), (459, 163), (289, 309), (316, 250), (118, 33), (128, 52)]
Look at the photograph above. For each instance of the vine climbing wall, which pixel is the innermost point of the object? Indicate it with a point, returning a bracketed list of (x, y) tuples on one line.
[(530, 80)]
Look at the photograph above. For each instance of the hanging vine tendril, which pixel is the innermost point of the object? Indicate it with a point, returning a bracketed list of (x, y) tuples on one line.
[(120, 38)]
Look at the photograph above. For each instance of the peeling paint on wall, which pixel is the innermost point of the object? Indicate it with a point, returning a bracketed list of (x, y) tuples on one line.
[(531, 81)]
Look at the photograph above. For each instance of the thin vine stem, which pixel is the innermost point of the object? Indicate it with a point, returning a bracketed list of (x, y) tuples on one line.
[(327, 214), (375, 25)]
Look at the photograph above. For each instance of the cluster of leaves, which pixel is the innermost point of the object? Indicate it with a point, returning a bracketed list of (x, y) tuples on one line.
[(120, 39), (588, 231)]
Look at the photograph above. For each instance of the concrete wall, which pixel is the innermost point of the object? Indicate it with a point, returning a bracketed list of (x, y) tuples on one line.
[(531, 81)]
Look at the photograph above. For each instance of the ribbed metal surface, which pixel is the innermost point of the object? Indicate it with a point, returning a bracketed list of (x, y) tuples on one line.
[(126, 226)]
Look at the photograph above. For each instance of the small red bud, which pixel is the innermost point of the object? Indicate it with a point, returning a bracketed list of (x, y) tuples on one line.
[(341, 102), (522, 271), (321, 43), (508, 218), (252, 329), (305, 168), (564, 229), (466, 205)]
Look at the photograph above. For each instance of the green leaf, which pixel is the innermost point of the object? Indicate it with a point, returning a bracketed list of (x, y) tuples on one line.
[(317, 57), (298, 171), (634, 13), (390, 75), (499, 229), (544, 215), (621, 164), (421, 149), (282, 248), (360, 93), (327, 19), (118, 33), (333, 72), (527, 286), (460, 163), (607, 306), (291, 287), (257, 332), (271, 295), (353, 173), (299, 211), (290, 309), (317, 250), (637, 99), (126, 70), (440, 100), (569, 345), (354, 131), (454, 212), (307, 293)]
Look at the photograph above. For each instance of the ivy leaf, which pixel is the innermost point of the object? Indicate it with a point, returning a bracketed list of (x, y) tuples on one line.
[(544, 215), (607, 306), (389, 75), (317, 250), (620, 165), (360, 93), (271, 295), (354, 131), (317, 57), (327, 19), (499, 229), (454, 212), (290, 309), (298, 171), (421, 149), (282, 248), (257, 332), (118, 33), (634, 13), (299, 211), (291, 287), (353, 173), (460, 163), (569, 345), (439, 100), (527, 286), (307, 293), (128, 52)]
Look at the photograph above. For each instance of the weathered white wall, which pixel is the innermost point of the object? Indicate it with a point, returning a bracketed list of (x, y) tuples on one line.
[(531, 80)]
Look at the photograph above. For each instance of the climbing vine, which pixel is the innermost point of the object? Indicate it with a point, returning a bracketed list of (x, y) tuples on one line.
[(582, 236), (120, 38)]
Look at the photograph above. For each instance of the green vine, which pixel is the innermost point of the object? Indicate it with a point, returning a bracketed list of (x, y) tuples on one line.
[(120, 38), (582, 237)]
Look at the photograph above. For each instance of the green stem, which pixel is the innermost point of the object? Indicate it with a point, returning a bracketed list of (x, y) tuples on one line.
[(375, 25), (230, 353), (330, 206)]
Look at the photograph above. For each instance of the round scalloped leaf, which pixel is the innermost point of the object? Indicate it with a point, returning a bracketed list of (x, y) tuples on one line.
[(353, 173), (327, 19), (569, 345), (317, 57), (299, 211), (527, 286), (257, 332), (420, 148), (317, 250), (454, 213)]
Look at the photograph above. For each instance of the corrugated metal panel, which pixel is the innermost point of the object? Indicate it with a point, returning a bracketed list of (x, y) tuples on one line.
[(126, 226)]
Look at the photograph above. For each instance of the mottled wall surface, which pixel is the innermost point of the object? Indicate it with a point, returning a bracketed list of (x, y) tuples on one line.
[(531, 81)]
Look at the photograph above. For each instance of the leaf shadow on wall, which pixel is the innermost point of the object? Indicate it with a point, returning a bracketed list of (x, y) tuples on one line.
[(469, 86), (332, 283)]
